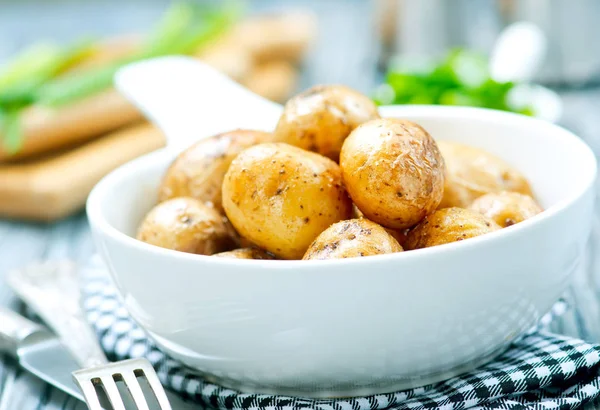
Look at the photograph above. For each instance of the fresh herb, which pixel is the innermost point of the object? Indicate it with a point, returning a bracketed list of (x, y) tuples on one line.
[(64, 90), (462, 78), (18, 89), (11, 126), (34, 77), (184, 29)]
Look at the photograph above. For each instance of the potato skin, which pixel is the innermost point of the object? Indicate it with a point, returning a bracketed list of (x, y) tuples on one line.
[(506, 208), (186, 225), (320, 118), (198, 171), (352, 239), (281, 197), (472, 172), (448, 225), (399, 235), (393, 172), (245, 253)]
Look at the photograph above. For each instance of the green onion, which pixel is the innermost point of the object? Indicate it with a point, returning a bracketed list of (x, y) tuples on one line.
[(213, 25), (10, 124), (34, 77), (169, 39), (65, 90), (173, 25), (30, 63)]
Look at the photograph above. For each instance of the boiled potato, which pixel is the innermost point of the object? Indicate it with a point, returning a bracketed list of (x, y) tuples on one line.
[(199, 170), (246, 253), (186, 225), (448, 225), (393, 172), (399, 235), (282, 197), (320, 118), (506, 208), (351, 239), (472, 172)]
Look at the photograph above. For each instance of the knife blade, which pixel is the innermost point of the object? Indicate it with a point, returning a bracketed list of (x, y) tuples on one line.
[(43, 354), (37, 351), (50, 361)]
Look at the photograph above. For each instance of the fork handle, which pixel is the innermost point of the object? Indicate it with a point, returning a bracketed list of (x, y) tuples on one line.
[(16, 331)]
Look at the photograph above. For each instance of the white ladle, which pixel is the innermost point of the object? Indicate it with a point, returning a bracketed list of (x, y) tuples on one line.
[(189, 100), (517, 56), (518, 53)]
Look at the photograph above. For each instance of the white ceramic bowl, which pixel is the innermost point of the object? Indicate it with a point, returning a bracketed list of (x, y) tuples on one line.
[(366, 325)]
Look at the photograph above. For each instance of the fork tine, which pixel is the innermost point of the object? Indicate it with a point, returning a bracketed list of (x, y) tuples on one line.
[(155, 385), (89, 393), (113, 393), (133, 385), (127, 371)]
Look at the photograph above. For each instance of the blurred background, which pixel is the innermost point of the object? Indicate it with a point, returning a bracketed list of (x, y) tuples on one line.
[(59, 116)]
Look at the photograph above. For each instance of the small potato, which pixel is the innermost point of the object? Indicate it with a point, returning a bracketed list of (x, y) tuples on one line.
[(245, 253), (186, 225), (393, 171), (199, 170), (320, 118), (448, 225), (506, 208), (351, 239), (472, 172), (399, 235), (281, 197)]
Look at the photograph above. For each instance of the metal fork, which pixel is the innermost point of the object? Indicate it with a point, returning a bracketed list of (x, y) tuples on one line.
[(52, 291), (127, 371)]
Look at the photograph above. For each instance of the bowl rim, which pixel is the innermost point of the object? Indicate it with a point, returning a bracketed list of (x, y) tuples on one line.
[(99, 222)]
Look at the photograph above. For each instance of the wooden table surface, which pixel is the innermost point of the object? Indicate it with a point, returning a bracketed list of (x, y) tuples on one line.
[(345, 53)]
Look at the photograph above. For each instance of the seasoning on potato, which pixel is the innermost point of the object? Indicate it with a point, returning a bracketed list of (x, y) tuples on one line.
[(393, 172), (352, 238), (472, 172), (320, 118), (246, 253), (399, 235), (448, 225), (199, 170), (282, 197), (186, 225), (506, 208)]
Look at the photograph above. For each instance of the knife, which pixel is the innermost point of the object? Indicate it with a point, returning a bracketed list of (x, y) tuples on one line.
[(38, 351), (43, 354), (52, 290)]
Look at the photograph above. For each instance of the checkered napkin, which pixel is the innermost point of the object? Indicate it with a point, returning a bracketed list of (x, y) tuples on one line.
[(538, 371)]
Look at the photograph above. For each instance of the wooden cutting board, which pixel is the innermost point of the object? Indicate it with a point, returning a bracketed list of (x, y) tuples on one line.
[(53, 187)]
